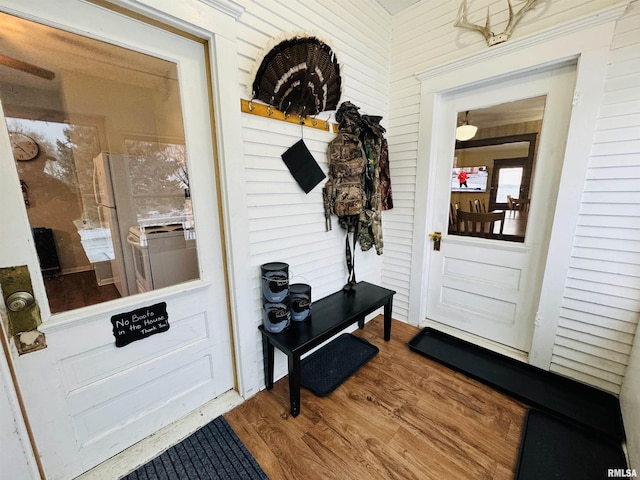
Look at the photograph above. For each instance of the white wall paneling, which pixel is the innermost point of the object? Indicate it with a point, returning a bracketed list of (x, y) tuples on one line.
[(602, 292)]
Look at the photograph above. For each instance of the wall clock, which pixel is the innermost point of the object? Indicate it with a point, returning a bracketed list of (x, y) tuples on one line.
[(24, 147)]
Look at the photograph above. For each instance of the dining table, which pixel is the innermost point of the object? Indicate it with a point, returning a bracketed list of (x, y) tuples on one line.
[(515, 224)]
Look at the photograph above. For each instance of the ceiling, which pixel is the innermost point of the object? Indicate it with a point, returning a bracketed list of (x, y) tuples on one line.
[(396, 6), (526, 110), (28, 48)]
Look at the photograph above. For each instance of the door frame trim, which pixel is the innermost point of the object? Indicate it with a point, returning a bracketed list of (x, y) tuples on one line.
[(216, 25), (586, 40)]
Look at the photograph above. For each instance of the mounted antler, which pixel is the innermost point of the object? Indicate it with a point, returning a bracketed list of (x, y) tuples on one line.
[(492, 38)]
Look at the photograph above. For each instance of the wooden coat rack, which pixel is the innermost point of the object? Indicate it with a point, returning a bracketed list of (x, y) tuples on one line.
[(267, 111)]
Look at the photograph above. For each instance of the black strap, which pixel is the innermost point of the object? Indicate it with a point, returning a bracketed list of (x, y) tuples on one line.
[(351, 254)]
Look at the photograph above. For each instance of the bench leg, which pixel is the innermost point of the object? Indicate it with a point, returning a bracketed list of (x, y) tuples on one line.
[(387, 319), (267, 356), (294, 384), (361, 322)]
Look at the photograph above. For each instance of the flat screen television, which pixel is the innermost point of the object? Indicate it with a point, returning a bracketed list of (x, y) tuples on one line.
[(469, 179)]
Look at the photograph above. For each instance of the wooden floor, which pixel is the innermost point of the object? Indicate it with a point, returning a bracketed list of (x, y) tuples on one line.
[(76, 290), (401, 416)]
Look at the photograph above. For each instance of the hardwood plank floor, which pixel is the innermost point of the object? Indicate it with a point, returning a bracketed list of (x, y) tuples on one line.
[(401, 416), (76, 290)]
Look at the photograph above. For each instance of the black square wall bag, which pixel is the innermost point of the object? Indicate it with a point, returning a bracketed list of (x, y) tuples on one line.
[(303, 167)]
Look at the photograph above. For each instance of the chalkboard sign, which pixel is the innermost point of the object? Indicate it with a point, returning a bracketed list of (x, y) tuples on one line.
[(141, 323)]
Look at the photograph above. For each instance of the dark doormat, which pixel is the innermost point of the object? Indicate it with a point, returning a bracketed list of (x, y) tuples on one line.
[(328, 367), (211, 453), (554, 448), (538, 388)]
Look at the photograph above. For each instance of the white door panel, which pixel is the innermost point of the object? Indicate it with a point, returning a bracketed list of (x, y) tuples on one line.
[(479, 294), (86, 399), (487, 287)]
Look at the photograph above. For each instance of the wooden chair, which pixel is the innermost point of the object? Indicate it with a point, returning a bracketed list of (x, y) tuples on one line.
[(479, 224), (453, 208), (479, 206), (519, 204), (523, 204)]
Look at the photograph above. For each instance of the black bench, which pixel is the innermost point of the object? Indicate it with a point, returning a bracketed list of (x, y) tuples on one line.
[(329, 316)]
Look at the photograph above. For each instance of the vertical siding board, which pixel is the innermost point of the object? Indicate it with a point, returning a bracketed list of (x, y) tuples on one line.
[(597, 319), (611, 190), (610, 382), (591, 362), (593, 332)]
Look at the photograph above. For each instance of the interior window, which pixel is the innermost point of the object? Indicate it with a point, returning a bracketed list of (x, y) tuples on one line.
[(493, 169), (98, 141)]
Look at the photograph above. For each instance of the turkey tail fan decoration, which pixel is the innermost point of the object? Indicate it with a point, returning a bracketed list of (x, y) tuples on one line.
[(299, 76)]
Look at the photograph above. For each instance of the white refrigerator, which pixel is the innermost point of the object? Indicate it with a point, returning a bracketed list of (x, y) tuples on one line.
[(116, 210)]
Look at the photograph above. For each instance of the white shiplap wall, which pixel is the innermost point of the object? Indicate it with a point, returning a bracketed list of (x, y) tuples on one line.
[(285, 224), (602, 294), (601, 305)]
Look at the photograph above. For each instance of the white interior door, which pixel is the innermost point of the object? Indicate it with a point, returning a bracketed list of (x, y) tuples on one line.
[(485, 287), (86, 399)]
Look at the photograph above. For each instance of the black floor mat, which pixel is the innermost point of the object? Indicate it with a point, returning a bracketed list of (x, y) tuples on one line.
[(553, 448), (327, 368), (211, 453), (538, 388)]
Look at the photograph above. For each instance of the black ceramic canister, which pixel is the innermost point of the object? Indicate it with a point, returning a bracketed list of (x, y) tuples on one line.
[(275, 317), (300, 301), (275, 282)]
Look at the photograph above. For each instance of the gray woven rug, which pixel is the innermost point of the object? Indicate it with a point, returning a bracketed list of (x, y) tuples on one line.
[(211, 453)]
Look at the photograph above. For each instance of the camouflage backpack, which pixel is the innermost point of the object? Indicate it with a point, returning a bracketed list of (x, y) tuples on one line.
[(344, 191)]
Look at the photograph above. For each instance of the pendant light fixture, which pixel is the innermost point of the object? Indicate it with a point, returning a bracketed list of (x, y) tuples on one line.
[(465, 131)]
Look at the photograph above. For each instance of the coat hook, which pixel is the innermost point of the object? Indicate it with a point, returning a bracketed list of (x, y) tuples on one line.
[(251, 107), (269, 110)]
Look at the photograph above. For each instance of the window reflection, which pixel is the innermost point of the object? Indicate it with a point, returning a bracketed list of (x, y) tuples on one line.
[(107, 194), (160, 181), (493, 172), (509, 182)]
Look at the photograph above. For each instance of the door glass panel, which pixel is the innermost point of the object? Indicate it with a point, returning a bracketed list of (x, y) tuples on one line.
[(493, 170), (98, 140)]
